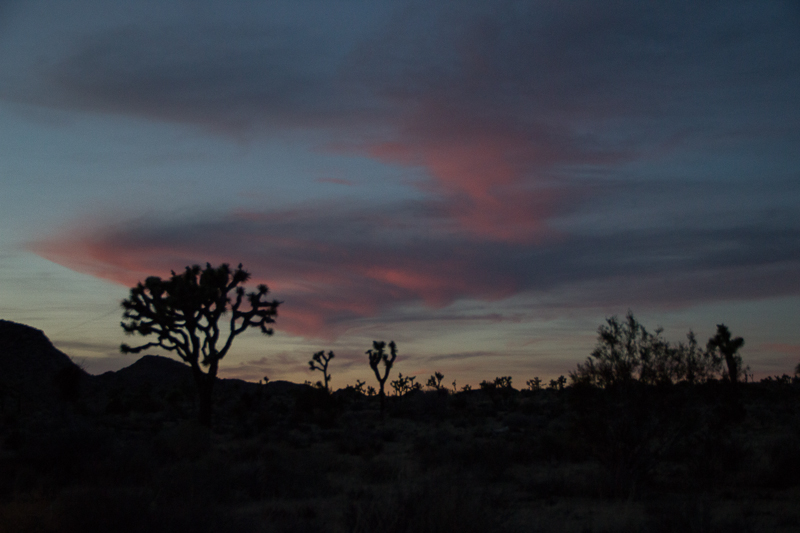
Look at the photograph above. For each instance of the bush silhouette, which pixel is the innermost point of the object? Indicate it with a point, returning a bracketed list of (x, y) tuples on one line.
[(626, 351), (186, 313), (405, 384)]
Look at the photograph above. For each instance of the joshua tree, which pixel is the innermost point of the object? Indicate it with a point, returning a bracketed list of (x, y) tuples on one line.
[(534, 384), (435, 381), (376, 355), (558, 384), (727, 347), (197, 314), (500, 382), (319, 361)]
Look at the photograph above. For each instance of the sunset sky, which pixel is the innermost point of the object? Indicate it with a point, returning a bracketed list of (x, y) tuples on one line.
[(482, 182)]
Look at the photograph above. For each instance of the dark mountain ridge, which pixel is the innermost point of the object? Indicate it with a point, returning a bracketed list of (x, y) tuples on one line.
[(34, 373), (27, 354)]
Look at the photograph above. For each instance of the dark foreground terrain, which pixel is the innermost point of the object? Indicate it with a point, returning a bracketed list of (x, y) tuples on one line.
[(121, 452)]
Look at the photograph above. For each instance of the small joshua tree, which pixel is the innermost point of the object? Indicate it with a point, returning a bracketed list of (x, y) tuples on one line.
[(319, 361), (377, 355), (727, 347), (503, 382), (534, 384), (359, 386), (197, 314), (435, 381), (404, 384), (558, 384)]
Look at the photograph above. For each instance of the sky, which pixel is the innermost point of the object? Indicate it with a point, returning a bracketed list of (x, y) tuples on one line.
[(482, 182)]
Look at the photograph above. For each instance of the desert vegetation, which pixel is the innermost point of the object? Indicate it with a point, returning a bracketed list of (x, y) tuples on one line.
[(186, 314), (645, 435)]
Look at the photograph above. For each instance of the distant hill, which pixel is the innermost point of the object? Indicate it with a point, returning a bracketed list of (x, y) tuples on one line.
[(155, 370), (32, 369), (36, 375), (27, 354)]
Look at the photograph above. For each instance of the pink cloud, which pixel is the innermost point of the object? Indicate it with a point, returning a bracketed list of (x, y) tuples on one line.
[(324, 284), (495, 176), (334, 267)]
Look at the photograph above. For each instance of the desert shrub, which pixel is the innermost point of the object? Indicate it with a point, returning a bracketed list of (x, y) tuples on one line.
[(381, 470), (315, 405), (435, 449), (556, 442), (405, 384), (279, 480), (28, 515), (145, 400), (698, 515), (502, 395), (421, 405), (486, 457), (632, 428), (550, 481), (188, 440), (103, 508), (627, 351), (117, 406), (82, 508), (777, 463), (360, 442), (500, 382), (61, 455), (437, 504)]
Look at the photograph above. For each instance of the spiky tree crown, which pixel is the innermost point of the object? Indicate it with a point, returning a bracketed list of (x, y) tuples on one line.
[(378, 354), (185, 312)]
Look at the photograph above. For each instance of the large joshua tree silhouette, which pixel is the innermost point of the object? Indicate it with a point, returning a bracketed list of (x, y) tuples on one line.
[(376, 355), (197, 314)]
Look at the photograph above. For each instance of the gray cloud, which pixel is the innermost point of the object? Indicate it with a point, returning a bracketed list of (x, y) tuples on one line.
[(559, 66)]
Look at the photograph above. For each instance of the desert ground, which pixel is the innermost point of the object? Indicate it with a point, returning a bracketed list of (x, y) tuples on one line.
[(122, 452)]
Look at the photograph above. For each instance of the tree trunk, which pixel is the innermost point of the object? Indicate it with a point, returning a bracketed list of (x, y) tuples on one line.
[(204, 415), (733, 368), (205, 389)]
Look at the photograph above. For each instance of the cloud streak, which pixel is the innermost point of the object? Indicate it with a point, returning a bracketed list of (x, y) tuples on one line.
[(334, 266)]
